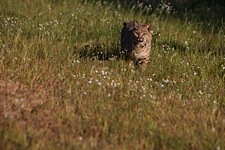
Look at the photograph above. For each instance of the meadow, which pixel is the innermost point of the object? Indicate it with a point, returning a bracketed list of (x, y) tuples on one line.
[(65, 85)]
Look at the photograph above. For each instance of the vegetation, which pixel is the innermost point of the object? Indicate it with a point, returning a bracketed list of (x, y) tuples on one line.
[(65, 85)]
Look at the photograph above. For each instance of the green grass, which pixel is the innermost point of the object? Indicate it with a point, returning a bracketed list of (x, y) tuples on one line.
[(64, 83)]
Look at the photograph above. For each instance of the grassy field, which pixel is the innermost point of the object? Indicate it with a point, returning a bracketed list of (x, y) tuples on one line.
[(65, 85)]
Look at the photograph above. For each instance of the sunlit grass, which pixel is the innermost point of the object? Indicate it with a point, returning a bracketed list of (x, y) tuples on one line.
[(64, 83)]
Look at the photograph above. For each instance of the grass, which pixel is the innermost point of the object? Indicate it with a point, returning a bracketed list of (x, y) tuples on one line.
[(64, 83)]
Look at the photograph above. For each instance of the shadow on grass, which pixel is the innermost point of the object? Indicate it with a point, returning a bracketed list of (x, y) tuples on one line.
[(209, 14), (182, 48), (100, 52), (113, 52), (205, 12)]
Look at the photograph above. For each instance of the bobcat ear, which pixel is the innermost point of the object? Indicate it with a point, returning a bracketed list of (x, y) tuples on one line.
[(124, 24), (149, 26), (135, 22)]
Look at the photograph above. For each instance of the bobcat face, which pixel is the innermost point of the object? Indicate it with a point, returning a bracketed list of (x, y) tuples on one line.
[(140, 35)]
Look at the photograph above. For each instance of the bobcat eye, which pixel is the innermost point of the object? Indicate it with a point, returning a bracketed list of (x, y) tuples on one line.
[(136, 34)]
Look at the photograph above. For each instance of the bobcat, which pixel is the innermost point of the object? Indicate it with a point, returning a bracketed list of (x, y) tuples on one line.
[(136, 43)]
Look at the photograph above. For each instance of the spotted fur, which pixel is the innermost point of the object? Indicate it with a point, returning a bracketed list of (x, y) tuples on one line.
[(136, 43)]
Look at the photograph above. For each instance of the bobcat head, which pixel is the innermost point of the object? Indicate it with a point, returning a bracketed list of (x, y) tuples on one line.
[(139, 33)]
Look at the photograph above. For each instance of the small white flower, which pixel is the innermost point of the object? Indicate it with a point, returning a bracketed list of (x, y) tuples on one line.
[(80, 138), (166, 81), (200, 92), (149, 79)]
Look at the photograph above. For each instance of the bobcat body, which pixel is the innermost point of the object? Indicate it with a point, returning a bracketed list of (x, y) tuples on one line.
[(136, 43)]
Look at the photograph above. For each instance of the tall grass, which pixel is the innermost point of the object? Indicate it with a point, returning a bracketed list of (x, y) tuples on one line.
[(64, 83)]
